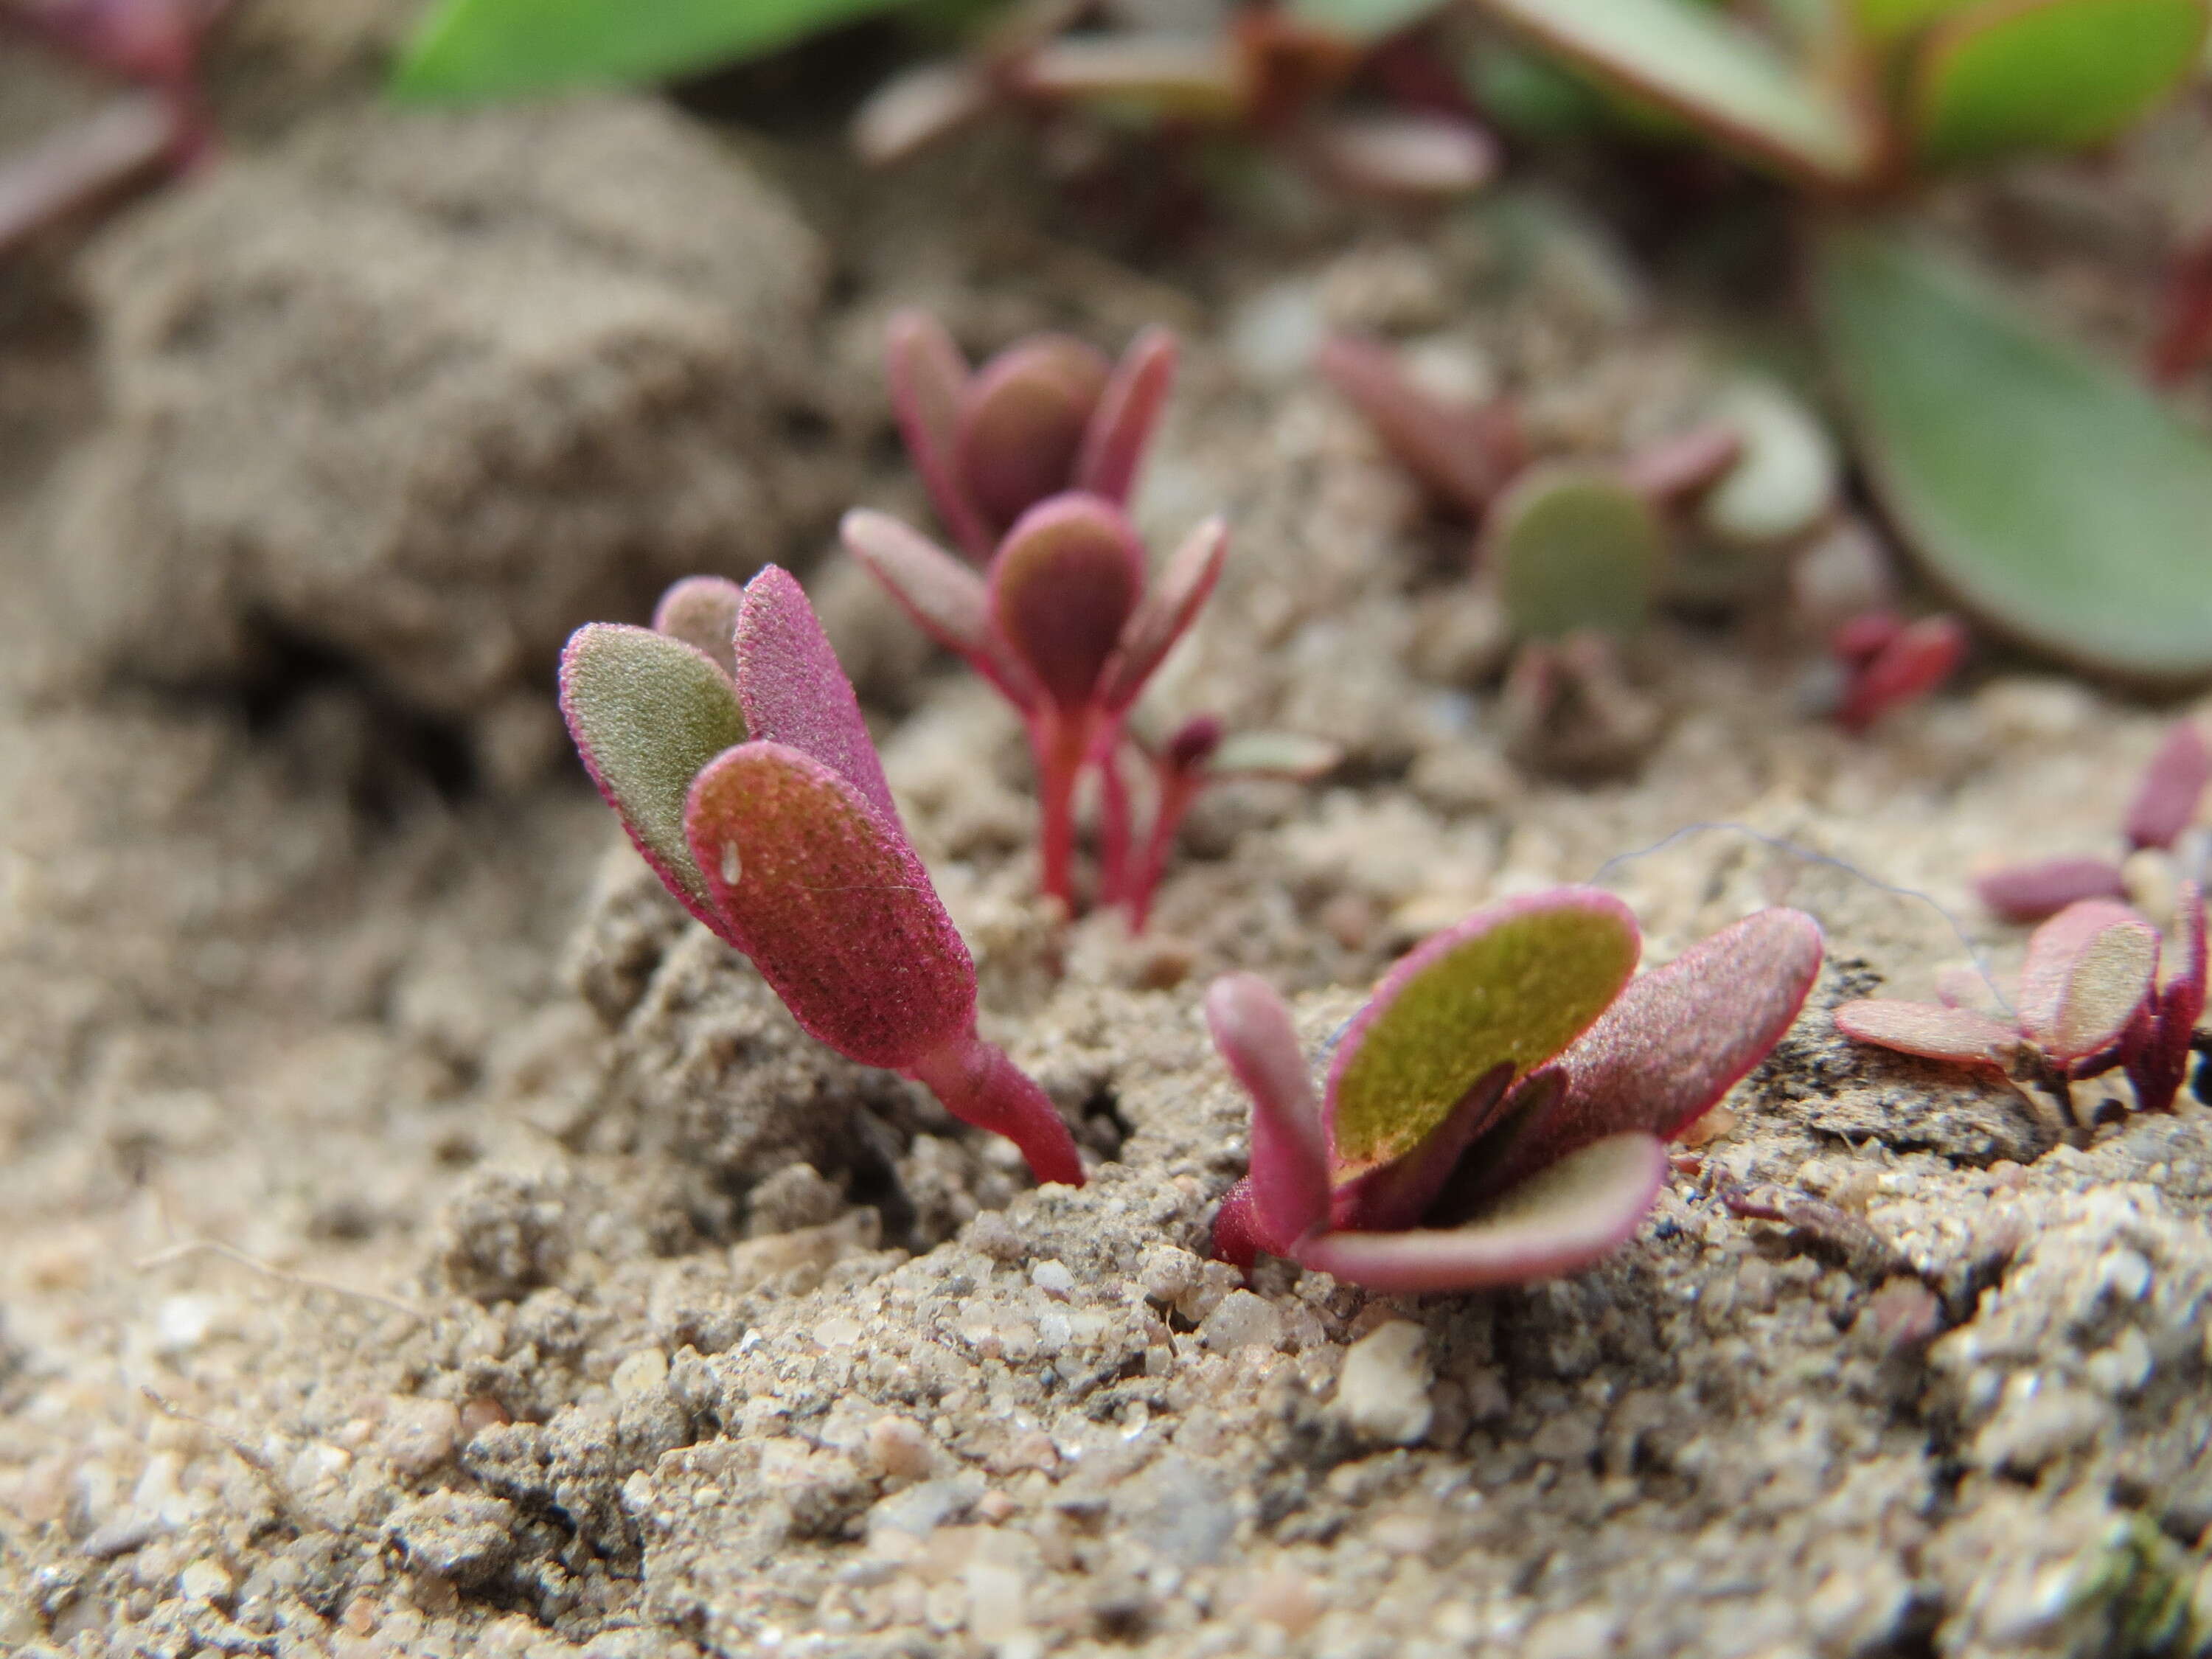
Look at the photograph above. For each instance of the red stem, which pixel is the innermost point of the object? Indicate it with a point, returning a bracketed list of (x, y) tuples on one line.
[(980, 1085), (1059, 741), (1178, 789), (1114, 823)]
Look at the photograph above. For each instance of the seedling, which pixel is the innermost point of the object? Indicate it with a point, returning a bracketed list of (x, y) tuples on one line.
[(2165, 805), (2090, 1001), (1047, 415), (1498, 1112), (152, 45), (742, 770), (1066, 628), (1889, 662)]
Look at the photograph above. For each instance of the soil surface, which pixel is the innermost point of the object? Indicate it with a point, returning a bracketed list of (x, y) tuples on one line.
[(420, 1239)]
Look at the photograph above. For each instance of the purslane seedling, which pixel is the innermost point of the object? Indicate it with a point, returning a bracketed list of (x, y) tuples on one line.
[(730, 745), (2164, 807), (2090, 1002), (1498, 1112)]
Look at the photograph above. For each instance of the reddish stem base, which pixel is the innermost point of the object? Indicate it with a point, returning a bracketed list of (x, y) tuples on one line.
[(980, 1085)]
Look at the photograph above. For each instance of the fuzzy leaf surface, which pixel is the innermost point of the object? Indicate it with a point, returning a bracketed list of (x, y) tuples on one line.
[(2047, 74), (831, 904), (2087, 971), (1557, 1222), (1933, 1030), (794, 691), (2172, 784), (647, 713), (476, 49), (2055, 497), (2032, 892), (1023, 420), (1063, 585), (702, 612), (947, 599), (1290, 1160), (928, 380), (1513, 982), (1712, 72)]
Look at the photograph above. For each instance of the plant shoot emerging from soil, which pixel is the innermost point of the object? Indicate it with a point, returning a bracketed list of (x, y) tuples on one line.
[(729, 742), (1498, 1113)]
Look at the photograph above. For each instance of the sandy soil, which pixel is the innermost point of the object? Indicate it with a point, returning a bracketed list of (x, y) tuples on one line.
[(420, 1239)]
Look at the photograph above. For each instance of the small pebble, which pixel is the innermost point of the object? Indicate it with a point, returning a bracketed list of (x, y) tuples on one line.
[(1242, 1320), (1382, 1392)]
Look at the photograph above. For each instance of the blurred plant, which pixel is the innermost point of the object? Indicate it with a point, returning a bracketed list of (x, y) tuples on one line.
[(153, 45), (2089, 1001), (729, 742), (1888, 662), (2164, 807), (1498, 1113)]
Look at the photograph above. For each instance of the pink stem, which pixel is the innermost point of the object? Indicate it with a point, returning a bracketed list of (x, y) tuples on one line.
[(980, 1085), (1178, 789), (1113, 824), (1060, 742)]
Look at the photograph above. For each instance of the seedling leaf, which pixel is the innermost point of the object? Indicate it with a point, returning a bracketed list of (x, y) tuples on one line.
[(1574, 548), (1414, 154), (1290, 1160), (1062, 585), (1713, 73), (1164, 613), (2047, 74), (1515, 982), (792, 691), (2172, 784), (1022, 421), (1787, 477), (474, 49), (647, 714), (1190, 76), (702, 612), (2060, 501), (831, 904), (947, 599), (1558, 1221), (1929, 1029), (928, 379), (2032, 892), (1274, 754), (1127, 411), (1464, 455), (2089, 969)]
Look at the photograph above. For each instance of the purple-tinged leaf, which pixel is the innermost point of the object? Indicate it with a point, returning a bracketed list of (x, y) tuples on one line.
[(1192, 745), (1680, 466), (1022, 424), (1465, 455), (2089, 969), (1931, 1029), (794, 691), (2172, 784), (831, 904), (1672, 1044), (702, 612), (1515, 982), (1235, 1238), (1558, 1221), (1923, 655), (2031, 892), (1163, 615), (1127, 410), (1402, 153), (918, 107), (1063, 585), (980, 1085), (1859, 639), (2157, 1057), (1290, 1161), (928, 382), (647, 714), (947, 599), (82, 163)]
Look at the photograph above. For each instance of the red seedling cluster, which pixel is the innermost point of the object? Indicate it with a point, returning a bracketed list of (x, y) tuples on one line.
[(1889, 662), (2090, 1002), (2165, 805), (1029, 462), (729, 741)]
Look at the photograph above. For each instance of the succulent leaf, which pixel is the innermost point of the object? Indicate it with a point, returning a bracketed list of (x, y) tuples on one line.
[(2061, 501), (1022, 421), (917, 107), (1193, 76), (928, 381), (831, 904), (702, 612), (2087, 971), (647, 713), (1121, 423), (1165, 613), (947, 599), (1933, 1030), (1464, 455), (1706, 68), (1289, 1159), (1573, 547), (1291, 754), (1513, 982), (1414, 154), (2047, 74), (1558, 1221), (1786, 479), (1063, 584), (2032, 892), (794, 691), (2172, 784)]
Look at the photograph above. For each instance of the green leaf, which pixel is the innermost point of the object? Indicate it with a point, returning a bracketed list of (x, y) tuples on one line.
[(2055, 497), (1713, 73), (2047, 74), (1363, 20), (647, 713), (475, 49), (1886, 22), (1573, 547), (1515, 983)]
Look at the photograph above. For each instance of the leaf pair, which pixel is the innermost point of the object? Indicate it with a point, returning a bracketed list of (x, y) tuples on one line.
[(729, 742), (1497, 1112), (2090, 1001), (1047, 415)]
